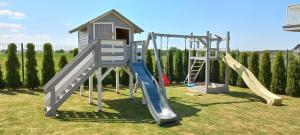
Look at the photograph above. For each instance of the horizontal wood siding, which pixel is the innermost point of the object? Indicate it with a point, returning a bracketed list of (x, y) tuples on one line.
[(82, 39)]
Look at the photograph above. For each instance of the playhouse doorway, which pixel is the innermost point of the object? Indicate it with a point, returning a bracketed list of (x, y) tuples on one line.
[(122, 33)]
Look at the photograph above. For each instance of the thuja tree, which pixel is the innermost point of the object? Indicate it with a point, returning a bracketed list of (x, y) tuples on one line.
[(278, 82), (179, 74), (293, 78), (12, 68), (31, 68), (124, 78), (232, 74), (254, 64), (62, 61), (75, 52), (214, 71), (243, 61), (2, 82), (185, 62), (222, 70), (169, 66), (156, 74), (149, 62), (265, 70), (48, 70)]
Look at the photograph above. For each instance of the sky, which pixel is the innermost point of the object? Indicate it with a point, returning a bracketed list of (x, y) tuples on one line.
[(253, 24)]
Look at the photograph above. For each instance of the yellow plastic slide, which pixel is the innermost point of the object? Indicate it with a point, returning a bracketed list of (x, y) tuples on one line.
[(251, 81)]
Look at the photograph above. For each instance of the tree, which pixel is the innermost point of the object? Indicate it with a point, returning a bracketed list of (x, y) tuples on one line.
[(278, 82), (149, 62), (2, 83), (293, 78), (185, 62), (13, 68), (265, 70), (156, 74), (222, 70), (232, 74), (179, 74), (214, 71), (124, 78), (243, 61), (31, 68), (254, 64), (62, 61), (48, 70), (75, 52), (169, 66)]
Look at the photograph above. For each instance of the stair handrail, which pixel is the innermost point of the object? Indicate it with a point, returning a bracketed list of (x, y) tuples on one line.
[(68, 68)]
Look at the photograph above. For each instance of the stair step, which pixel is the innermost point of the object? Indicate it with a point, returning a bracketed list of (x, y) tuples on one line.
[(48, 108), (67, 90), (83, 74)]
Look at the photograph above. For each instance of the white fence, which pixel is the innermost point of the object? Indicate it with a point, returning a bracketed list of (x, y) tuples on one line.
[(39, 47)]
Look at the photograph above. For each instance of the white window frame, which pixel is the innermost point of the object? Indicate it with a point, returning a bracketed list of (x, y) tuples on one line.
[(130, 40)]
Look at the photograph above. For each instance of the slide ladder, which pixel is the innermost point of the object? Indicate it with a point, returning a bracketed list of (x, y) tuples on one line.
[(67, 80), (155, 100), (251, 81)]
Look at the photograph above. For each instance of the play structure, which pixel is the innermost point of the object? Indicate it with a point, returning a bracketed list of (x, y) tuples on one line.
[(107, 44)]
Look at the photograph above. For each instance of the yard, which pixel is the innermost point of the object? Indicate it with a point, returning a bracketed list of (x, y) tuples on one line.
[(240, 112)]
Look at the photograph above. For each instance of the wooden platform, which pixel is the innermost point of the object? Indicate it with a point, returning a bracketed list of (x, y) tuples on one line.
[(292, 28), (213, 88)]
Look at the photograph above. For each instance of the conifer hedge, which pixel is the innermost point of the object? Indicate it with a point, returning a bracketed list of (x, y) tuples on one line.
[(31, 68)]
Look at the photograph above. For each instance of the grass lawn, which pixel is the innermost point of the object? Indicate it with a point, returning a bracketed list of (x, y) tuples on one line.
[(240, 112)]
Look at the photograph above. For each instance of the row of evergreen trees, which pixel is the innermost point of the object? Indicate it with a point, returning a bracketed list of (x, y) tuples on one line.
[(273, 77), (12, 80)]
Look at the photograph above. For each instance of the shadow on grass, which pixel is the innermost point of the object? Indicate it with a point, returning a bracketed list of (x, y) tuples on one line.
[(15, 92), (125, 111), (245, 95)]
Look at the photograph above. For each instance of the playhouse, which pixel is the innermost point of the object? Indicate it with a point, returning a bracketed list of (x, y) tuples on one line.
[(107, 44)]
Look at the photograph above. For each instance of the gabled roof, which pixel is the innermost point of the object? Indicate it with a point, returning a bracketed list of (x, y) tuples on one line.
[(296, 47), (137, 29)]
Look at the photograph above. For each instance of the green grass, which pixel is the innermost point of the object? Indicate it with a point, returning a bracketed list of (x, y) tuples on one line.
[(240, 112)]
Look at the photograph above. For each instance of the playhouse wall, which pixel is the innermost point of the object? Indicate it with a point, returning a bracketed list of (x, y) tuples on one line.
[(82, 39), (118, 22)]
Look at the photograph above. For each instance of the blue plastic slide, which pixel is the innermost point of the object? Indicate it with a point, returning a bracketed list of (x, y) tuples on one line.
[(156, 102)]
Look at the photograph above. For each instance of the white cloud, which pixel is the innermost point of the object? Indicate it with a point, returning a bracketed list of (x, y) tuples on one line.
[(13, 27), (2, 4), (22, 38), (12, 14)]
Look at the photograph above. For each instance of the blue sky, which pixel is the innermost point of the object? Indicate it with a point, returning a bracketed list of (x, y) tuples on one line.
[(254, 24)]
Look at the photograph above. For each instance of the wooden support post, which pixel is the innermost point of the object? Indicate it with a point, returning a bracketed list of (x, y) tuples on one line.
[(91, 89), (143, 100), (52, 101), (190, 64), (136, 86), (130, 83), (227, 51), (127, 70), (207, 64), (117, 79), (99, 78), (81, 89)]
